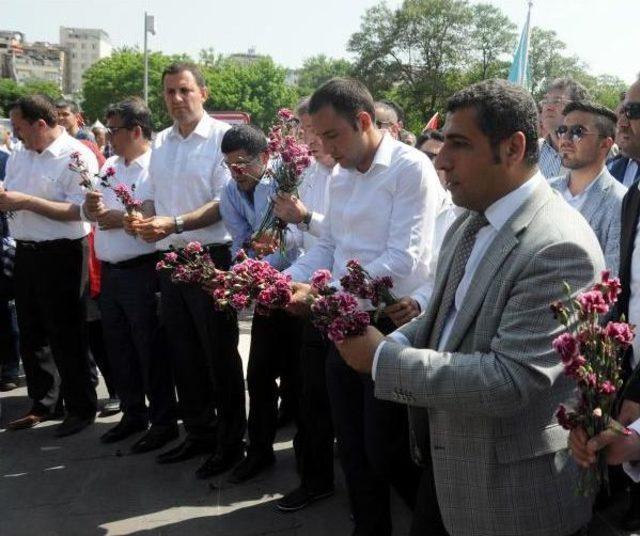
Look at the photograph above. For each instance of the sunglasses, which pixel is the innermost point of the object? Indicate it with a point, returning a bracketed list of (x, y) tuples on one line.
[(574, 132), (631, 110)]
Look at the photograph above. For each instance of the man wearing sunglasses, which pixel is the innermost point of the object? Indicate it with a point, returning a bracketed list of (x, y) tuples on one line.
[(585, 139), (561, 92), (625, 168), (629, 300)]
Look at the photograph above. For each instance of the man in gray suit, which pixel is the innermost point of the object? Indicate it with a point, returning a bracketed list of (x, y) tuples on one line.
[(477, 369), (585, 140)]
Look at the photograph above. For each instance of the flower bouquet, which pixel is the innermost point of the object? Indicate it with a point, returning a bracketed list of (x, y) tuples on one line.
[(86, 180), (591, 355), (336, 314), (359, 282), (289, 160)]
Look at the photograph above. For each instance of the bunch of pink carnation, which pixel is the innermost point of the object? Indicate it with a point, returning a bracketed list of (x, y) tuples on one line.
[(336, 314), (79, 166), (591, 355), (191, 265), (125, 196), (359, 282)]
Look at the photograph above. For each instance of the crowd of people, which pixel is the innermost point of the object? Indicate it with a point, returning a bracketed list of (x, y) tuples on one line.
[(450, 395)]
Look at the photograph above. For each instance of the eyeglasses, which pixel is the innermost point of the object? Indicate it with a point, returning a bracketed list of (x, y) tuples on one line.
[(241, 166), (575, 132), (383, 124), (111, 131), (631, 110), (555, 101)]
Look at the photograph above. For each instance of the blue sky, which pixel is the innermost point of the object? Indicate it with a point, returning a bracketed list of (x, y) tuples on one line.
[(291, 30)]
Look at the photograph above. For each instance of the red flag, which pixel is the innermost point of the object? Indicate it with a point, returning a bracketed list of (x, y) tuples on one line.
[(434, 123)]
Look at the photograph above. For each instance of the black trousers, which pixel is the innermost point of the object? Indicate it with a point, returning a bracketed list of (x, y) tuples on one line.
[(314, 439), (275, 346), (9, 355), (373, 443), (50, 281), (206, 364), (139, 361)]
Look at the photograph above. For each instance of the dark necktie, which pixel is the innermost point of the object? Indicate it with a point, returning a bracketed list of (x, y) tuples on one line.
[(460, 258)]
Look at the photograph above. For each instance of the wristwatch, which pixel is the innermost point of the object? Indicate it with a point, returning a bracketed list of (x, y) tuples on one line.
[(306, 221), (179, 224)]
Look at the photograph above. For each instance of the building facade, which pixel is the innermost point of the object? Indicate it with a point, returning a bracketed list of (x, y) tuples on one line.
[(84, 47)]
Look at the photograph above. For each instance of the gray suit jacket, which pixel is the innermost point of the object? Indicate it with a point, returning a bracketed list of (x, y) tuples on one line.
[(602, 209), (485, 406)]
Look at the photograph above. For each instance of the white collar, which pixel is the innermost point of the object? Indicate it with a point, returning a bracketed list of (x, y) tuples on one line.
[(500, 211)]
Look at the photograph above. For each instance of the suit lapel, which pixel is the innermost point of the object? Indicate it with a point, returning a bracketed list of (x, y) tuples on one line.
[(498, 251)]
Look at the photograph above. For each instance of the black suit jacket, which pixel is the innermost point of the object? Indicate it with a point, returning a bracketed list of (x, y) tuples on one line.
[(629, 219), (618, 167)]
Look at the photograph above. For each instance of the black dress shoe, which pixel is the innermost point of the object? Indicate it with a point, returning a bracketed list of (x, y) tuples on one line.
[(155, 438), (184, 451), (301, 497), (122, 430), (73, 424), (251, 466), (220, 462)]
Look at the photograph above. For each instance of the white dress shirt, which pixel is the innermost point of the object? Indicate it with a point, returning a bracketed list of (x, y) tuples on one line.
[(634, 297), (447, 214), (630, 173), (185, 174), (115, 245), (384, 217), (314, 194), (47, 175), (497, 214)]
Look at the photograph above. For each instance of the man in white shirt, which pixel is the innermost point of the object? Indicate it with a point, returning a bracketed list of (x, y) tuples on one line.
[(586, 137), (314, 438), (129, 283), (50, 265), (182, 204), (477, 369), (382, 210)]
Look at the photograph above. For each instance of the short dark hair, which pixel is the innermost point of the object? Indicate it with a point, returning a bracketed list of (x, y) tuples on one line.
[(396, 108), (36, 107), (605, 119), (577, 92), (181, 66), (68, 103), (247, 137), (502, 109), (429, 134), (348, 97), (133, 112), (302, 108)]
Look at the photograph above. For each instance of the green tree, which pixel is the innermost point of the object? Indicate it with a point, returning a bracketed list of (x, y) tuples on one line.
[(493, 36), (10, 91), (607, 89), (316, 70), (413, 52), (258, 88)]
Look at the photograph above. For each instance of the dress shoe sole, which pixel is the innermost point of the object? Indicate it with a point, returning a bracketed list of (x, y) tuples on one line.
[(107, 440), (311, 499), (23, 424)]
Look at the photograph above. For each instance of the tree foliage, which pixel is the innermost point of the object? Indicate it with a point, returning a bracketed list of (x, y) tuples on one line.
[(10, 91), (316, 70)]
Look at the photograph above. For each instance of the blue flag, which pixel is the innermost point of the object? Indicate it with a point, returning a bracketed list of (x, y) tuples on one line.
[(520, 72)]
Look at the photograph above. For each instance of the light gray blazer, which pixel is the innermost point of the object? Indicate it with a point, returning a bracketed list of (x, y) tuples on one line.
[(602, 209), (485, 406)]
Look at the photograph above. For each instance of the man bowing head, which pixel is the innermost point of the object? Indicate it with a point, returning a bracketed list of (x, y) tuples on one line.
[(477, 369)]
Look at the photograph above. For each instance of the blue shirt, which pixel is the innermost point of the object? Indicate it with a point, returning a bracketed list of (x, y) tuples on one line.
[(242, 214)]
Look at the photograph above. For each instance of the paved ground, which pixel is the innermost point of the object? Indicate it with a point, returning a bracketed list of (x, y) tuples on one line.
[(77, 486)]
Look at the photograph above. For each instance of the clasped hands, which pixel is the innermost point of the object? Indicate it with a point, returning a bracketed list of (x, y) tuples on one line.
[(619, 448), (12, 201)]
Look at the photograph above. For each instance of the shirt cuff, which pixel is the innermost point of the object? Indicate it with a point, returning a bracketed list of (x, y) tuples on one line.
[(396, 336)]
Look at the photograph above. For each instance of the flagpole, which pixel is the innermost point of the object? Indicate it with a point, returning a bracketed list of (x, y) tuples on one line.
[(526, 61), (146, 63)]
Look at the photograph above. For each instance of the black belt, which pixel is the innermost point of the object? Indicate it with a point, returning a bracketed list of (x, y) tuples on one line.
[(47, 244), (133, 263), (207, 247)]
